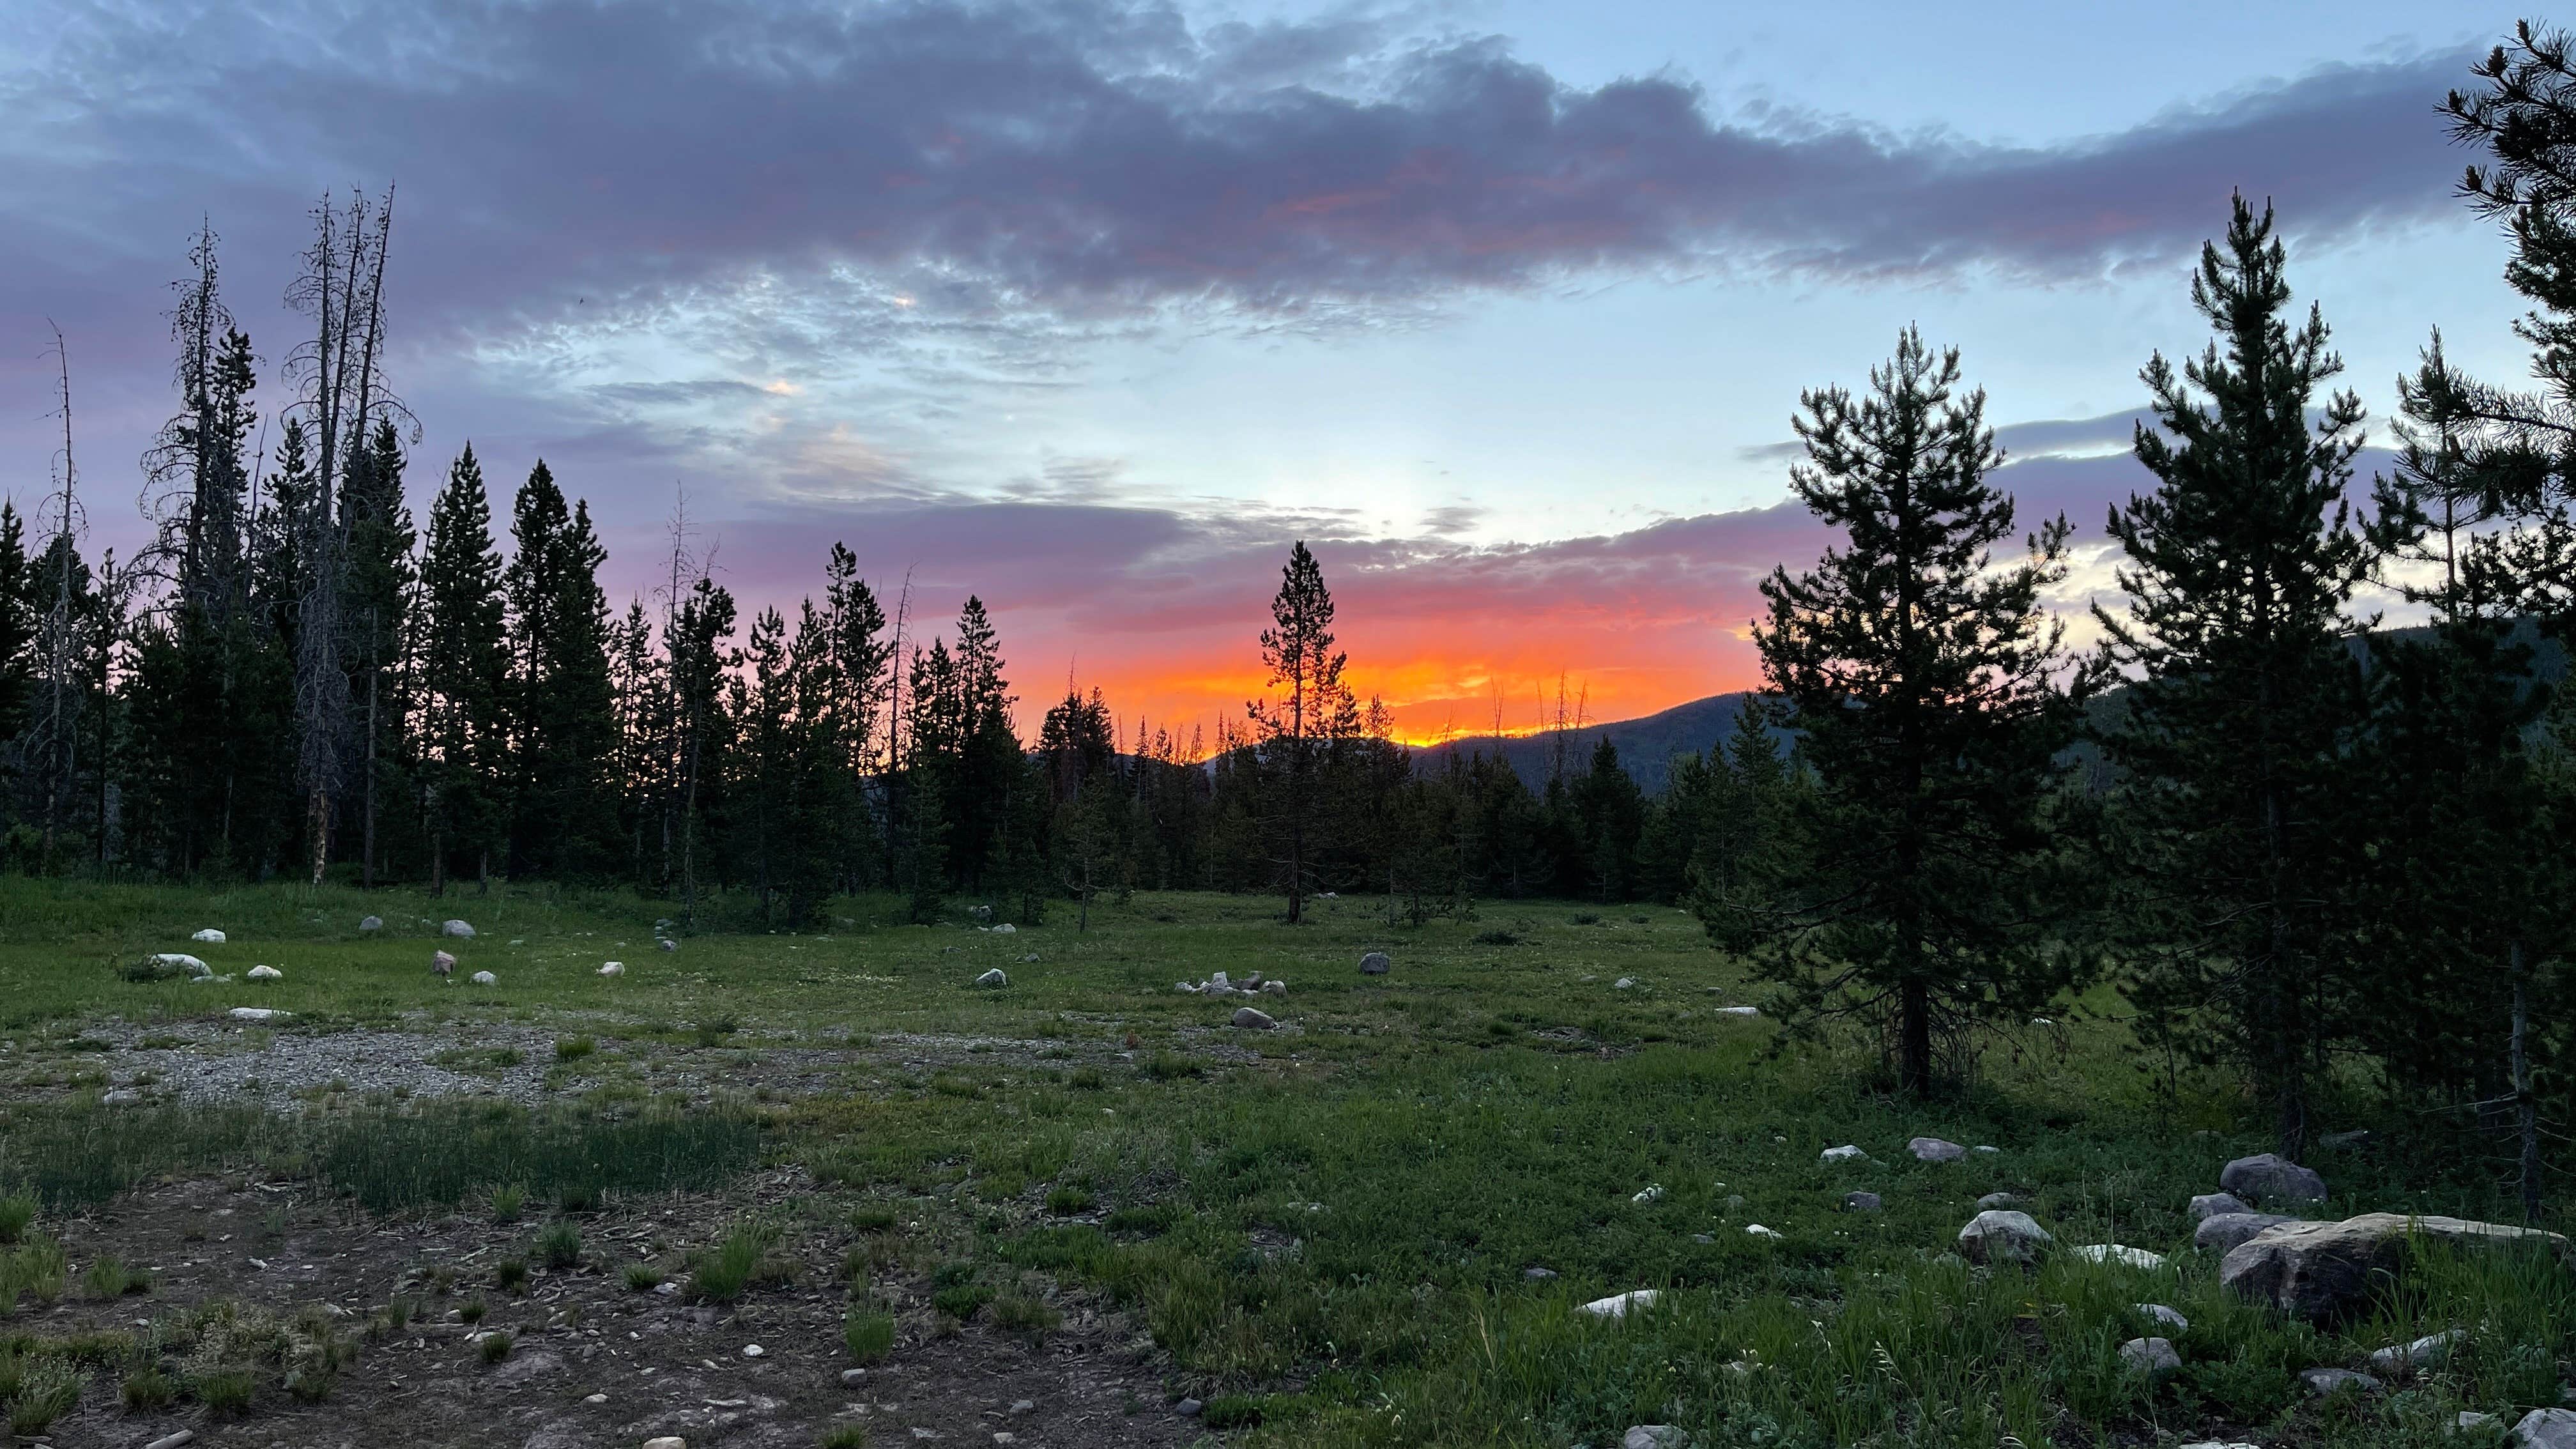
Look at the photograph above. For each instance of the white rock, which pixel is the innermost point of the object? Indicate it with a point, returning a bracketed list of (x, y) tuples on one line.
[(263, 973), (2423, 1353), (612, 968), (1185, 986), (2119, 1253), (2546, 1429), (210, 936), (667, 1441), (1218, 979), (1651, 1194), (2323, 1381), (122, 1097), (2164, 1317), (485, 978), (1006, 929), (753, 1350), (2472, 1419), (1653, 1436), (1756, 1230), (256, 1013), (1848, 1152), (1739, 1011), (459, 929), (1251, 1020), (594, 1400), (1274, 988), (1933, 1149), (371, 923), (1617, 1305), (665, 943), (1623, 983), (182, 961), (1983, 1148), (994, 977), (2154, 1357)]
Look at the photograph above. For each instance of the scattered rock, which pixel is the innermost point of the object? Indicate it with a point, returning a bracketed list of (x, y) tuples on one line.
[(2400, 1359), (1623, 983), (1848, 1152), (1999, 1236), (1617, 1305), (2472, 1419), (2217, 1204), (1653, 1436), (667, 944), (853, 1377), (2272, 1178), (459, 929), (1274, 988), (2154, 1357), (257, 1013), (1376, 963), (1653, 1193), (2224, 1232), (1933, 1149), (2324, 1271), (167, 965), (753, 1350), (1862, 1202), (1538, 1275), (1188, 1408), (2546, 1429), (994, 977), (485, 978), (441, 962), (1006, 929), (2164, 1317), (1704, 1239), (2120, 1253), (371, 923), (1982, 1147), (667, 1441), (594, 1400), (173, 1440), (1251, 1020), (263, 973), (122, 1097), (1739, 1011), (1994, 1200), (2324, 1381), (612, 968), (210, 936), (1756, 1230)]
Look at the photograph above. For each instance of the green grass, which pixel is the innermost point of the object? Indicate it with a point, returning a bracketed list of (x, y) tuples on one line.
[(558, 1245), (1347, 1207)]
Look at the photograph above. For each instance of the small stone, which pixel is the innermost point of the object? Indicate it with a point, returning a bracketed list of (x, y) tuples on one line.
[(667, 944), (612, 968), (1188, 1408), (2546, 1429), (441, 962), (2222, 1234), (1997, 1200), (1219, 980), (1862, 1202), (1376, 963), (2472, 1419), (459, 929), (2154, 1357), (2270, 1177), (1623, 983), (1981, 1147), (666, 1289), (371, 923), (1704, 1239), (1756, 1230), (210, 936), (1023, 1406), (1653, 1193), (1653, 1436), (1933, 1149), (1274, 988), (1995, 1236), (753, 1350), (2120, 1253), (173, 1440), (1251, 1020), (256, 1013), (122, 1097), (1617, 1305), (2324, 1381), (667, 1441), (1739, 1011), (2164, 1317), (594, 1400), (2426, 1352), (1006, 929), (1848, 1152), (2215, 1204), (1185, 986), (993, 977), (176, 963), (485, 978), (1252, 982), (263, 973), (851, 1378), (1538, 1275)]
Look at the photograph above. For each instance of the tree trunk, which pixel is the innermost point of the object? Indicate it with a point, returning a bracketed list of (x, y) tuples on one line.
[(1914, 1031), (2526, 1110), (367, 832)]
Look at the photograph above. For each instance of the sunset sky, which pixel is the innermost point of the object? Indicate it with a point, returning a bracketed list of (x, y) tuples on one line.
[(1093, 308)]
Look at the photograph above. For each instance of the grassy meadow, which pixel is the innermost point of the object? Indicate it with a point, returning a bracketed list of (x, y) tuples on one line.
[(1371, 1226)]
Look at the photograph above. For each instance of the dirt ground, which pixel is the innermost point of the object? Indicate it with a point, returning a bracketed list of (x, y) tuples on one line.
[(593, 1363)]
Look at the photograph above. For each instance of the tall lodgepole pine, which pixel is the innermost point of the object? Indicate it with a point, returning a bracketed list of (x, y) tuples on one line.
[(1313, 712)]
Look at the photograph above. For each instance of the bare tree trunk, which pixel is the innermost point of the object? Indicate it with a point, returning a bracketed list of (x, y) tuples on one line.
[(2526, 1109)]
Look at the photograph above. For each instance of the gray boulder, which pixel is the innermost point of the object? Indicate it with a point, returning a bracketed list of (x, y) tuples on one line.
[(459, 929), (2154, 1357), (2270, 1177), (2163, 1316), (2217, 1204), (2223, 1233), (2324, 1272), (2546, 1429), (1861, 1202), (1653, 1436), (371, 923), (994, 977), (1997, 1236), (1376, 963), (1251, 1020), (1997, 1200), (1933, 1149)]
